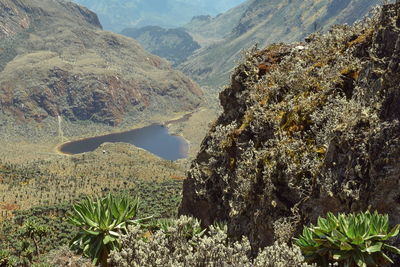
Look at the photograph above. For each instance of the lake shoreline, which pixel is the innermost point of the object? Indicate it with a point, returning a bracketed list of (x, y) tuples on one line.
[(59, 148)]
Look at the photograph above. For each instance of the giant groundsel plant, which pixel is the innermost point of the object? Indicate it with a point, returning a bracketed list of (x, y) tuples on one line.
[(102, 222), (350, 240)]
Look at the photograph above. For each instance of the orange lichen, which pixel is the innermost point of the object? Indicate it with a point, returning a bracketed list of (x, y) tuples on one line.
[(248, 118), (361, 38)]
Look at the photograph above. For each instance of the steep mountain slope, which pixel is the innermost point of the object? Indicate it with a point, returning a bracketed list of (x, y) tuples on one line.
[(121, 14), (306, 128), (176, 45), (265, 22), (56, 60), (206, 29)]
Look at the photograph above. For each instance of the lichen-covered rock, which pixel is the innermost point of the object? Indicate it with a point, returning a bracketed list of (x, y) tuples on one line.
[(307, 128)]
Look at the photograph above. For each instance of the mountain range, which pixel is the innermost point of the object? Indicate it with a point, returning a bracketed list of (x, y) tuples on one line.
[(116, 15), (57, 61), (261, 22), (176, 44)]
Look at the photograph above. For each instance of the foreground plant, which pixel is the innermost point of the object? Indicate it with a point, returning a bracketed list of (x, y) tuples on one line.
[(351, 240), (181, 242), (102, 222)]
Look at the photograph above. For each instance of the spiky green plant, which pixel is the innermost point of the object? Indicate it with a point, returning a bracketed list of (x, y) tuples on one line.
[(102, 222), (351, 240)]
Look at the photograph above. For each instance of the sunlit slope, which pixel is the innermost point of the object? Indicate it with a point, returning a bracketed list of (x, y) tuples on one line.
[(264, 22), (59, 62)]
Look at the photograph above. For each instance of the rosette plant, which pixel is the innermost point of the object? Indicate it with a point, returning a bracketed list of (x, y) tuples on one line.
[(102, 222), (350, 240)]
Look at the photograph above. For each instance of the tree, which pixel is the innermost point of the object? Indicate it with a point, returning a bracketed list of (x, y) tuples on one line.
[(35, 232), (102, 222)]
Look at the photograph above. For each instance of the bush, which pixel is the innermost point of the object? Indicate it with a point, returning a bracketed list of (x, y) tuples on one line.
[(180, 243), (352, 240)]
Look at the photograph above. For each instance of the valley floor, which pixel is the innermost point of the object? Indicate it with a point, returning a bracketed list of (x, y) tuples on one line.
[(33, 173)]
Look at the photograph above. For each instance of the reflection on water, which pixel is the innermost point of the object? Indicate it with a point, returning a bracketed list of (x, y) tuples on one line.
[(154, 138)]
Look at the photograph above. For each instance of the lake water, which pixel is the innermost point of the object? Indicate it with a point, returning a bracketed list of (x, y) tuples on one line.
[(154, 138)]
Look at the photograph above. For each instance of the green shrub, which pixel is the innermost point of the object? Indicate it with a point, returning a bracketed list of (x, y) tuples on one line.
[(352, 240), (102, 222)]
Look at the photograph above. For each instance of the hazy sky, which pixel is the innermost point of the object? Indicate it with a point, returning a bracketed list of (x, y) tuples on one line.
[(119, 14)]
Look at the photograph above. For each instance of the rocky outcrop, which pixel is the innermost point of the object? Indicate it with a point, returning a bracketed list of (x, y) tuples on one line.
[(58, 61), (307, 128)]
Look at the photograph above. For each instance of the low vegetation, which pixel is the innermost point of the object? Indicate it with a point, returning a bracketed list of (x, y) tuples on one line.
[(183, 243), (160, 199), (351, 240)]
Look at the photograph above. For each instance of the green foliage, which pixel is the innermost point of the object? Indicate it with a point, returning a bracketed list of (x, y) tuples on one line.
[(160, 199), (102, 222), (352, 240), (6, 258), (34, 231), (15, 234)]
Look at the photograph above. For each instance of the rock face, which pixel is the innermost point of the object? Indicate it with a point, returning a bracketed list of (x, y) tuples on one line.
[(263, 22), (56, 60), (176, 45), (307, 128)]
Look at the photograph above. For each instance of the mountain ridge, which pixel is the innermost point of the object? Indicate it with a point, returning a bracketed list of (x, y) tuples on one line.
[(118, 15), (264, 22), (175, 45), (67, 65)]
